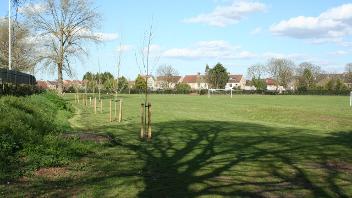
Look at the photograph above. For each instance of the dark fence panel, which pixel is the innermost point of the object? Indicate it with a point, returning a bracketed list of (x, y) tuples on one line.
[(15, 77)]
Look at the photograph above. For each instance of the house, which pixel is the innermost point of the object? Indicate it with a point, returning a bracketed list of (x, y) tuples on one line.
[(271, 85), (73, 83), (52, 85), (235, 82), (323, 79), (150, 82), (196, 82), (249, 86), (167, 82), (41, 84)]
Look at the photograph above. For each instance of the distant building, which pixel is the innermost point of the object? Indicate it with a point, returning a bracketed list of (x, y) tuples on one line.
[(42, 84), (196, 82), (52, 85), (150, 81), (167, 82), (235, 82), (271, 85)]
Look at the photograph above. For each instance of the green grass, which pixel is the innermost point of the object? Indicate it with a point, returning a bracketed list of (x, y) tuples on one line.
[(247, 146)]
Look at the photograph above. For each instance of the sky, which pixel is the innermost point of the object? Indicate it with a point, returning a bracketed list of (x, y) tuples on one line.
[(188, 34)]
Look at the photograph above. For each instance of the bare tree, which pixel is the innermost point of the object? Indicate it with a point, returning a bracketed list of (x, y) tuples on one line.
[(168, 76), (23, 51), (256, 71), (281, 70), (143, 61), (118, 67), (315, 69), (64, 25)]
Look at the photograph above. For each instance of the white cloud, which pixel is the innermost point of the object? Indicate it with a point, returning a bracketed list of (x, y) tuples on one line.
[(106, 36), (208, 50), (291, 56), (101, 36), (124, 48), (339, 53), (227, 15), (330, 26), (32, 8), (256, 31)]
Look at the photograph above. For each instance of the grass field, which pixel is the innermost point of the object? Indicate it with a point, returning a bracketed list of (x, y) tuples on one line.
[(247, 146)]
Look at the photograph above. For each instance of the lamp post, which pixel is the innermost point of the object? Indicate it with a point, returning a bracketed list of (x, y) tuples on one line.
[(10, 35)]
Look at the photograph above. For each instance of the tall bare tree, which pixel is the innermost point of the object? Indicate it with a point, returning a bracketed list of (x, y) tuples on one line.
[(308, 74), (168, 76), (143, 59), (64, 25), (315, 69), (256, 73), (281, 70)]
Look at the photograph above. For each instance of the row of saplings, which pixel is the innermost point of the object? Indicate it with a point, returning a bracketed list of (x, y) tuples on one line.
[(93, 102)]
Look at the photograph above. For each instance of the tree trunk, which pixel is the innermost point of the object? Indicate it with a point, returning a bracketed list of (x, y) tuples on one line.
[(59, 80)]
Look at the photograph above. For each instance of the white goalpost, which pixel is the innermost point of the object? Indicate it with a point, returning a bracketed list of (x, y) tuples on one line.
[(351, 99), (213, 91)]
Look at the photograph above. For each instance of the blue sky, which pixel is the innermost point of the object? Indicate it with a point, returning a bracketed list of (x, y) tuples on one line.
[(188, 34)]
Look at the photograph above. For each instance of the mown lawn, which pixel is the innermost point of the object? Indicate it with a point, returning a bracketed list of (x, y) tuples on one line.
[(245, 146)]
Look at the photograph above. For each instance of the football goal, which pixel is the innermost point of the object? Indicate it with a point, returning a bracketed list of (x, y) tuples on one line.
[(219, 92)]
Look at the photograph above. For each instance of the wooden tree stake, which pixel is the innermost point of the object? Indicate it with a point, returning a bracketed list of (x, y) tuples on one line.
[(120, 114), (142, 120), (149, 121), (95, 105), (101, 105), (110, 111), (90, 101), (115, 108)]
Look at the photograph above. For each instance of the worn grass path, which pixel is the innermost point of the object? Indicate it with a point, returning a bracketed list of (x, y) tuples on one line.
[(247, 146)]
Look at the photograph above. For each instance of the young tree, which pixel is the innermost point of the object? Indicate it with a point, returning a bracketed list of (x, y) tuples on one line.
[(65, 25), (256, 73), (168, 75), (281, 70), (217, 76)]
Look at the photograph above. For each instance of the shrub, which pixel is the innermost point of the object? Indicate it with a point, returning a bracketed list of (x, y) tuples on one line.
[(29, 132), (183, 88)]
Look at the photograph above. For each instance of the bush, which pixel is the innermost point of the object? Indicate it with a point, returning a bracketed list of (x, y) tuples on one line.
[(18, 90), (183, 88), (29, 130)]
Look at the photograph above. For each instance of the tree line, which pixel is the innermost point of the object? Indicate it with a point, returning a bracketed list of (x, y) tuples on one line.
[(304, 77)]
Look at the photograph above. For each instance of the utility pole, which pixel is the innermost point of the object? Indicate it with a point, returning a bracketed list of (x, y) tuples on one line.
[(10, 67)]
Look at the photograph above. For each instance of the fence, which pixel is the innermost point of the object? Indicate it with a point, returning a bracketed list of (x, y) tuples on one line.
[(15, 77)]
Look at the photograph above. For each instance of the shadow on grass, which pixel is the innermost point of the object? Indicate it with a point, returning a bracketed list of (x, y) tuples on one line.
[(202, 158)]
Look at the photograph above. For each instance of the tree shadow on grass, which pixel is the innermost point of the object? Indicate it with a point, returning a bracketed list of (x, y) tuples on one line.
[(195, 158), (211, 158)]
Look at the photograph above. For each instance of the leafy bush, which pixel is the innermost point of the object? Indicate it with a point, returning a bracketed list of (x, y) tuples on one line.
[(29, 132), (183, 88), (18, 90)]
